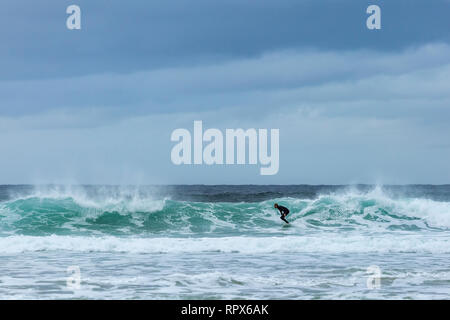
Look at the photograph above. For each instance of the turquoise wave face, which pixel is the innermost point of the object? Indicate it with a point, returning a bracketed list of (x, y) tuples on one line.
[(43, 215)]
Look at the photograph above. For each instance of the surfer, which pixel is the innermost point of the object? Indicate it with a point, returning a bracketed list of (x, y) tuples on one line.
[(283, 210)]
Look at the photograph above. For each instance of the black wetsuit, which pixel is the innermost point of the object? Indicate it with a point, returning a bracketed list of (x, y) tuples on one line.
[(284, 212)]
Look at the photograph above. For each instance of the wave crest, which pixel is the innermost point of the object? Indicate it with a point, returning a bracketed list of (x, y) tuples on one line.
[(131, 212)]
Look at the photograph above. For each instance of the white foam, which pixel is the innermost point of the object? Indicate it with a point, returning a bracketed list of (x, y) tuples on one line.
[(435, 213), (324, 243), (121, 200)]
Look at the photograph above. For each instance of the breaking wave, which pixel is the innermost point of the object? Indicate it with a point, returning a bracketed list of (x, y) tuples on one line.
[(68, 212)]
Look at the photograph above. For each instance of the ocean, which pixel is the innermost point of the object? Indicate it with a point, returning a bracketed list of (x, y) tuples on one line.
[(224, 242)]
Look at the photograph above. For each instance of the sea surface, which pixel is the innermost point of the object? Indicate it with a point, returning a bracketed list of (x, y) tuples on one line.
[(224, 242)]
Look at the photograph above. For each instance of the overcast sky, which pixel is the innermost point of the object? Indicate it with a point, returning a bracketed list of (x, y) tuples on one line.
[(98, 105)]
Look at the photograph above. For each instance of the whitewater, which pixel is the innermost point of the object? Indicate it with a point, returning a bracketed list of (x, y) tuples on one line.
[(224, 242)]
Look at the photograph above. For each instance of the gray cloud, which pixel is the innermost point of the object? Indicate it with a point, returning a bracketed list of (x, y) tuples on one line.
[(279, 79), (381, 121), (123, 37), (98, 106)]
